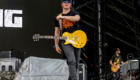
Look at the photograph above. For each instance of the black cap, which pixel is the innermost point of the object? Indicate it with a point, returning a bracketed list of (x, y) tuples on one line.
[(117, 49)]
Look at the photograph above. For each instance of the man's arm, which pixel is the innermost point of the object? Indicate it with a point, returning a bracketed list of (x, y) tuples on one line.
[(122, 62), (57, 33), (110, 62), (71, 18)]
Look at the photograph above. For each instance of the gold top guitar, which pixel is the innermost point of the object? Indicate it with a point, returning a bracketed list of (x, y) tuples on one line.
[(78, 38), (118, 66)]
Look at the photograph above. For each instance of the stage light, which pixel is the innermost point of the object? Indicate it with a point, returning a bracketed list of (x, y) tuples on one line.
[(105, 45), (130, 56)]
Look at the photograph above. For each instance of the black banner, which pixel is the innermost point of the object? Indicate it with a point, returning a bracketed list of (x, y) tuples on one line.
[(21, 19)]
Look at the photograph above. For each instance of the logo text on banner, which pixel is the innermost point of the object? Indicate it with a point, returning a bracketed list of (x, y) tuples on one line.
[(11, 18)]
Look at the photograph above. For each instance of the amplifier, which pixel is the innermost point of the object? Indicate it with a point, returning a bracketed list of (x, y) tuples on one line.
[(82, 72), (5, 54), (9, 64), (10, 54)]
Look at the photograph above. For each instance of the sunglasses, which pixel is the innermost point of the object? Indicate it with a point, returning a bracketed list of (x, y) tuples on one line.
[(66, 1)]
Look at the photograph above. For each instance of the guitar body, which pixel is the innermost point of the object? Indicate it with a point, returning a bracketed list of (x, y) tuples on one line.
[(78, 38), (113, 69)]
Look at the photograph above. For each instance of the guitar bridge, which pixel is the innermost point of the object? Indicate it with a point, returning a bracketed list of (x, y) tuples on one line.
[(78, 38)]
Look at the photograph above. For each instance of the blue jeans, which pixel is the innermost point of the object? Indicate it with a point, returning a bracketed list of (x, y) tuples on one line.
[(73, 56)]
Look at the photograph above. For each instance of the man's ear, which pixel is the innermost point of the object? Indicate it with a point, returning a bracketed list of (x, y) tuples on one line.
[(61, 4)]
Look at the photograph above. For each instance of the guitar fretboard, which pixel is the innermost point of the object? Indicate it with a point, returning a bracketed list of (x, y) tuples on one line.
[(53, 37)]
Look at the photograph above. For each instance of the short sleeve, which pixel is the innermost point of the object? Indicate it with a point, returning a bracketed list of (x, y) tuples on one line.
[(112, 58), (56, 23), (121, 58), (76, 13)]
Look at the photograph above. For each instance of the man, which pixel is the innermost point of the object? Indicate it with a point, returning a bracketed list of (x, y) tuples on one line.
[(115, 58), (70, 20)]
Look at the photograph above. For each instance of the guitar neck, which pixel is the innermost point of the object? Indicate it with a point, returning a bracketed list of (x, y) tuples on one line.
[(53, 37), (123, 64)]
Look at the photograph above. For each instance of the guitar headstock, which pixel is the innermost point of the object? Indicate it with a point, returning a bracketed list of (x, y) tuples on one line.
[(36, 37)]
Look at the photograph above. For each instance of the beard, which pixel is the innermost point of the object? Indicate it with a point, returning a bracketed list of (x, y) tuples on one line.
[(119, 52)]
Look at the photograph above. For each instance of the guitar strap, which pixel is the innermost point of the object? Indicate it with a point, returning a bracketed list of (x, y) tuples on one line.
[(60, 24)]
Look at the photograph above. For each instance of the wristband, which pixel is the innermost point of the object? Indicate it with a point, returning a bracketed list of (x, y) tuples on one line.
[(55, 46)]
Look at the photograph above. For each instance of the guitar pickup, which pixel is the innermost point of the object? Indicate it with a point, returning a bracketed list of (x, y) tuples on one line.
[(67, 38), (73, 38)]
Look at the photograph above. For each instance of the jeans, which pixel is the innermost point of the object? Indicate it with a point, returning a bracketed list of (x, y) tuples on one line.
[(73, 56), (117, 75)]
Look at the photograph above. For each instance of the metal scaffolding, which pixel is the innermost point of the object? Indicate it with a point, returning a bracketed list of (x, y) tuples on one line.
[(123, 13), (106, 23), (99, 38)]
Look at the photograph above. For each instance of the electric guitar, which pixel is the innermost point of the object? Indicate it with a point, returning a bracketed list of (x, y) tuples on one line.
[(78, 38), (118, 66)]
